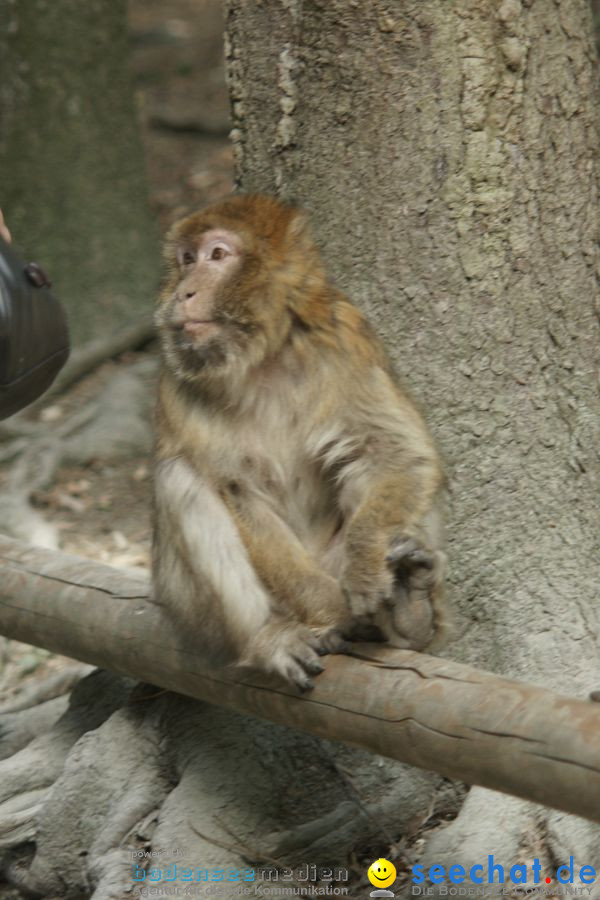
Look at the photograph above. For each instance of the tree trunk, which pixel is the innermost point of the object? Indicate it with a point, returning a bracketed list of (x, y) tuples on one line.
[(73, 183), (448, 154)]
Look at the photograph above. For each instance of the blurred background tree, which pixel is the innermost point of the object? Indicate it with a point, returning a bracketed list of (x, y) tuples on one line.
[(73, 182)]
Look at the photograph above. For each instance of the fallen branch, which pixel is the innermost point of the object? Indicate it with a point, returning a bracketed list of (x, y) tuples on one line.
[(431, 713)]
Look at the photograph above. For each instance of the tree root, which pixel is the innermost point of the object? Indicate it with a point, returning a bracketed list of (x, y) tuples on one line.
[(20, 728), (513, 831), (55, 685), (127, 772)]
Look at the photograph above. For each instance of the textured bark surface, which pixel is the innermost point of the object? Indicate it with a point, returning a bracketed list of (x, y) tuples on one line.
[(448, 156), (71, 168)]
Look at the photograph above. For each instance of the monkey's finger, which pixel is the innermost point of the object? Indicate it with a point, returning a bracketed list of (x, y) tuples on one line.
[(400, 549), (422, 558), (399, 593)]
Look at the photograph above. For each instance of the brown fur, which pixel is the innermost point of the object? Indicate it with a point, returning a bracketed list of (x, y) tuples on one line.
[(297, 485)]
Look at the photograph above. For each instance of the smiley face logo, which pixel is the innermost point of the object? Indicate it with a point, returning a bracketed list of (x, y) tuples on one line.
[(382, 873)]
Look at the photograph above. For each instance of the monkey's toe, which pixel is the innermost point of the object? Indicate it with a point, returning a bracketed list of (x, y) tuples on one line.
[(308, 657), (295, 672), (297, 658), (330, 640), (313, 668), (299, 674)]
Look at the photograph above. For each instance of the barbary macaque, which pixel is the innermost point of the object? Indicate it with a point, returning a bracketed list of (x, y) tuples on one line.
[(297, 486)]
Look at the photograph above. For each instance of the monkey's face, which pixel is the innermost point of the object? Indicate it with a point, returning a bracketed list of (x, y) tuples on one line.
[(197, 321), (239, 278)]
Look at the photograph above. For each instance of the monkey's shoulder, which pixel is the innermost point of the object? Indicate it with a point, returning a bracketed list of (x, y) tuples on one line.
[(356, 337), (376, 386)]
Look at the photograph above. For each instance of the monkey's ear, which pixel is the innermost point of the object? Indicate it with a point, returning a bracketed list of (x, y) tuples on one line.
[(298, 223), (171, 242), (298, 231)]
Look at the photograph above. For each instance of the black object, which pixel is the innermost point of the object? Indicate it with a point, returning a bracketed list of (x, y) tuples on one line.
[(34, 338)]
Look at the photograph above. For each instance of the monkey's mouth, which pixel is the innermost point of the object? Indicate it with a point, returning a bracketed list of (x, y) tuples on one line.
[(194, 334), (198, 345), (199, 327)]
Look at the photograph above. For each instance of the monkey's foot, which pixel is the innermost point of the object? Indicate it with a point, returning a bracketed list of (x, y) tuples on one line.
[(415, 617), (289, 650), (330, 640), (408, 553)]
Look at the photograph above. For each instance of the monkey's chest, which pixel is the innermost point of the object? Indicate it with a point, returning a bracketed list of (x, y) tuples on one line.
[(274, 475)]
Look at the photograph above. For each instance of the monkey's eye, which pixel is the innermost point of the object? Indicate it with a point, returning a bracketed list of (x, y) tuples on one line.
[(218, 253), (187, 258)]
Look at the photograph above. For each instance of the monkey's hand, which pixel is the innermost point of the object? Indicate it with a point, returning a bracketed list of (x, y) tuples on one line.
[(287, 649)]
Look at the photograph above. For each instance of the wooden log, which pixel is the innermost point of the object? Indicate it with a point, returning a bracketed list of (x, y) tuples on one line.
[(427, 712)]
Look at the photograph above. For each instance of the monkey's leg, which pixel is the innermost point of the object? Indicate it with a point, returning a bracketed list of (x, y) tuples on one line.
[(197, 526)]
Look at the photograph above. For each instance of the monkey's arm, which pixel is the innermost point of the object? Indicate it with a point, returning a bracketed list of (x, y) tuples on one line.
[(293, 577), (193, 524), (388, 529), (388, 493)]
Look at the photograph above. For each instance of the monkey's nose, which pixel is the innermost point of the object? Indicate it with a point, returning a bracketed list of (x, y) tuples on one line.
[(186, 304)]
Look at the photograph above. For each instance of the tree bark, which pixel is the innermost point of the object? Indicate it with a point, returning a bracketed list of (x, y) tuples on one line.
[(448, 154), (430, 713), (73, 188)]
